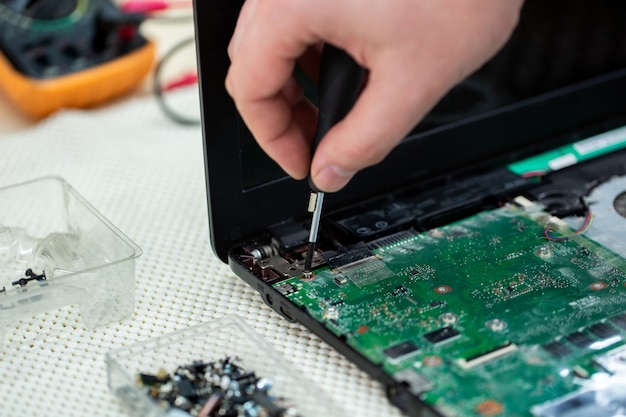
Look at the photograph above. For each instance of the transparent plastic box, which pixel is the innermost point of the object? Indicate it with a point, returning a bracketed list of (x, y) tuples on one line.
[(227, 337), (46, 227)]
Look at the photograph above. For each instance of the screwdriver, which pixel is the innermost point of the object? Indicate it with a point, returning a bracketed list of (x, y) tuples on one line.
[(340, 82)]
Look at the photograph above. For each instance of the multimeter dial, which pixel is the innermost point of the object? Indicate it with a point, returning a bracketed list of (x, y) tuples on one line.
[(49, 38), (42, 9), (43, 15)]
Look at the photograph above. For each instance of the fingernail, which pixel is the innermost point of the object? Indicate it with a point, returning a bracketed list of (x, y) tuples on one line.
[(332, 178)]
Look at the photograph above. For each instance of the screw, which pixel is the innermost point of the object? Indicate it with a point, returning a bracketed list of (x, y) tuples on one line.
[(32, 277)]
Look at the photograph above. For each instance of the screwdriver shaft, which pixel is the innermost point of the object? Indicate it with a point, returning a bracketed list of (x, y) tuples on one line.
[(340, 80), (315, 224)]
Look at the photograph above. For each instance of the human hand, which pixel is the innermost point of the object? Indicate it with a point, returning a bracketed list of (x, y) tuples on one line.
[(415, 51)]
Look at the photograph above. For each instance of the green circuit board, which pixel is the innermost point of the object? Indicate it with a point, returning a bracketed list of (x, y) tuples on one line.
[(484, 317)]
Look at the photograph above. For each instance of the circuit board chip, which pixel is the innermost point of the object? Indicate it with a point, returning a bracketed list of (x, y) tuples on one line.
[(603, 330), (557, 349), (340, 280), (487, 356), (445, 334), (579, 339), (286, 288), (401, 350)]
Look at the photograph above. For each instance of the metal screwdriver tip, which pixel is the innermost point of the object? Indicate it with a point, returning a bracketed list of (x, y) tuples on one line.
[(316, 200)]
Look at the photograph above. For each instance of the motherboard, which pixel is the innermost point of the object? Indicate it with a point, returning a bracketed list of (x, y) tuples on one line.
[(508, 312)]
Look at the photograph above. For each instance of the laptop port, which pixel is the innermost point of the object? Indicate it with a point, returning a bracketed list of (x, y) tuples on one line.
[(285, 312)]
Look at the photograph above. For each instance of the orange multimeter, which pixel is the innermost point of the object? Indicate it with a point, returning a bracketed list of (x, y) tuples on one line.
[(69, 53)]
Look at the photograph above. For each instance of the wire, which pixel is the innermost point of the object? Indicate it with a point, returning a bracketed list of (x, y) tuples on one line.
[(159, 89), (583, 228), (154, 10), (190, 78), (151, 6), (534, 174)]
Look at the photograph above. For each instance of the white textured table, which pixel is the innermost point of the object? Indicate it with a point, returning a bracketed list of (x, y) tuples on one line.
[(146, 175)]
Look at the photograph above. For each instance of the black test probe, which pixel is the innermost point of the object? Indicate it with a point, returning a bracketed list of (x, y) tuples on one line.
[(340, 82)]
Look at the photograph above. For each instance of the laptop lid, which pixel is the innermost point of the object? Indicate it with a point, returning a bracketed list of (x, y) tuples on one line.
[(561, 77)]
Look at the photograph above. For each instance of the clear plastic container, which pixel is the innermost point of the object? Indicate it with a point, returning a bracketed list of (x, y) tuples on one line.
[(56, 250), (227, 337)]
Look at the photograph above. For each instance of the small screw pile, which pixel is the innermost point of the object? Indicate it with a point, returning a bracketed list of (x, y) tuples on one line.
[(220, 388)]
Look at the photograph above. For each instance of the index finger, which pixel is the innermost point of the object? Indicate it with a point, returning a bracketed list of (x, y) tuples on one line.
[(262, 63)]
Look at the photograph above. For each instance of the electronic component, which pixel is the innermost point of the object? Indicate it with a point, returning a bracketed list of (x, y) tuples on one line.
[(348, 256), (603, 330), (579, 339), (262, 251), (286, 288), (150, 380), (218, 388), (331, 314), (445, 334), (529, 313), (489, 408), (401, 350), (393, 239), (557, 349), (340, 280), (400, 291), (487, 356)]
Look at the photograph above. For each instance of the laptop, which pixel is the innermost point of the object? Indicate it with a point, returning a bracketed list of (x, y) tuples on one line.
[(480, 270)]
